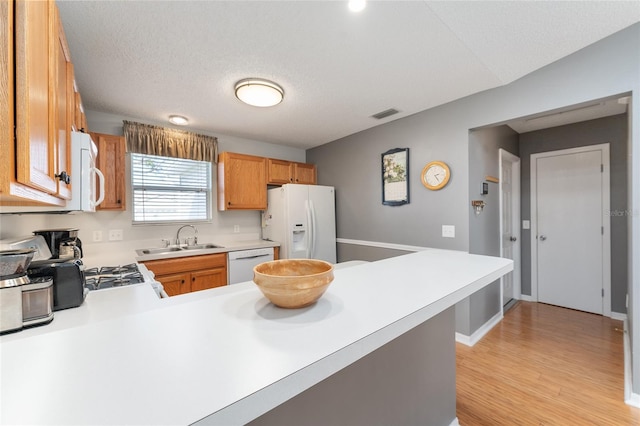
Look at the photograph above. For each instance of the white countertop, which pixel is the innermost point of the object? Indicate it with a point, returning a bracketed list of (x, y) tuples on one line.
[(226, 353)]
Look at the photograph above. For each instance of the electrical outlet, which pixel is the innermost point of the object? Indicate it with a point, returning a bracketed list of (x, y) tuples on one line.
[(115, 235), (236, 229), (448, 231), (97, 236)]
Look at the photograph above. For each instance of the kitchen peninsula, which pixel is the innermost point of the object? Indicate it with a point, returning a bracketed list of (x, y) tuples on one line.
[(227, 356)]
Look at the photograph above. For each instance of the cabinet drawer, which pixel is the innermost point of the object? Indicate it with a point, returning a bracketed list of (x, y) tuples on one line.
[(186, 264)]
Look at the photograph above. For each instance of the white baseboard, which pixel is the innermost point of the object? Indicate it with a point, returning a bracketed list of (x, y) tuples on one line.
[(479, 333), (454, 422), (630, 398), (618, 316), (527, 298)]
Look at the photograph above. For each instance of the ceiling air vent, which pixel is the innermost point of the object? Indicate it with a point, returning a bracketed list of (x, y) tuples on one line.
[(384, 114)]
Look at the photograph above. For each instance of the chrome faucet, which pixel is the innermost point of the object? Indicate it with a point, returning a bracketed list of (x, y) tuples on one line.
[(195, 236)]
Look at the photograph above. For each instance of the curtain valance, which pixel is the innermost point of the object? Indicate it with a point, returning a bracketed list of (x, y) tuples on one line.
[(155, 140)]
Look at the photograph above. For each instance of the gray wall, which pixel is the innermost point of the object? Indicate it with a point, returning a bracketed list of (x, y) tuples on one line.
[(612, 130), (348, 252), (607, 68), (409, 381), (484, 229)]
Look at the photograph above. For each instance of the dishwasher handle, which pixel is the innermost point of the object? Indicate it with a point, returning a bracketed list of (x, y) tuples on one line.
[(252, 257)]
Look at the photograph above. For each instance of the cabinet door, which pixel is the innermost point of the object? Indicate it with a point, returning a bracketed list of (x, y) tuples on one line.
[(242, 182), (111, 161), (279, 172), (6, 96), (35, 148), (61, 105), (305, 173), (208, 278), (175, 284)]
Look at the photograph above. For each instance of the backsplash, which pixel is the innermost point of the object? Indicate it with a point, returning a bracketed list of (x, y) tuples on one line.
[(222, 226)]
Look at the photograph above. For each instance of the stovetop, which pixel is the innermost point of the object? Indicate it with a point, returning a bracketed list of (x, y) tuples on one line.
[(112, 276)]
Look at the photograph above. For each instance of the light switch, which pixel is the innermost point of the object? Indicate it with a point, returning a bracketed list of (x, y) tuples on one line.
[(448, 231), (526, 224)]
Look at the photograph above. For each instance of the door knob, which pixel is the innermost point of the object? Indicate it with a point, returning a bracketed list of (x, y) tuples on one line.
[(542, 238), (513, 239)]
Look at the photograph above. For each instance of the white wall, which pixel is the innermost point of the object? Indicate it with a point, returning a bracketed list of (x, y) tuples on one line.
[(220, 228)]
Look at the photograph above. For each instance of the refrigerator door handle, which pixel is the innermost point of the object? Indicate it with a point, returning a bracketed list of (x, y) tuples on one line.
[(307, 208), (312, 237)]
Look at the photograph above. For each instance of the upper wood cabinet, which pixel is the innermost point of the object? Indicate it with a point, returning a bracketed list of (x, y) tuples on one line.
[(242, 182), (304, 173), (111, 162), (280, 172), (36, 95), (79, 117)]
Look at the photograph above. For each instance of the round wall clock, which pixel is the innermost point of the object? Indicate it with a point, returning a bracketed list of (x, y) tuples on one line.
[(435, 175)]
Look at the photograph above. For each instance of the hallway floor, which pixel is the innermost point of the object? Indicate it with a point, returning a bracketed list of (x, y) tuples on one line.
[(545, 365)]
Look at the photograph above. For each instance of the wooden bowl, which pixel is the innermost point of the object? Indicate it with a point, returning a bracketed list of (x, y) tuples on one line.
[(293, 283)]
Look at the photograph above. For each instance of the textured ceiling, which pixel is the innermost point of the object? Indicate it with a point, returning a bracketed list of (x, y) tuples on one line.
[(150, 59)]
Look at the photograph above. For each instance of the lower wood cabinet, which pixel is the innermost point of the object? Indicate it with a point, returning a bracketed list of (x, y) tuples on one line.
[(193, 273)]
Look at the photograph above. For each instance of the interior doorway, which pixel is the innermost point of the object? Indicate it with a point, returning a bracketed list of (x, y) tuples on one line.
[(509, 204), (570, 232)]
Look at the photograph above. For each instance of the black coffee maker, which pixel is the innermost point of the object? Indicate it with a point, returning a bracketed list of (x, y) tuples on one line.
[(63, 243)]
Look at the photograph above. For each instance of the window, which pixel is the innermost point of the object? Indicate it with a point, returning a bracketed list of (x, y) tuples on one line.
[(167, 189)]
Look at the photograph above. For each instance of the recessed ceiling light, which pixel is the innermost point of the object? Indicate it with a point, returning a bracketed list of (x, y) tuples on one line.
[(178, 120), (357, 5), (259, 92)]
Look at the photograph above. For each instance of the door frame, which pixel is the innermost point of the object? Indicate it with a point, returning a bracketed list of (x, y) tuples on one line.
[(516, 210), (606, 222)]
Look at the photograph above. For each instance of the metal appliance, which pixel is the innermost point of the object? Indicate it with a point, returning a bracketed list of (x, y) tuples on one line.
[(302, 219), (108, 277), (37, 302), (242, 262), (23, 302), (13, 274), (63, 243), (68, 280)]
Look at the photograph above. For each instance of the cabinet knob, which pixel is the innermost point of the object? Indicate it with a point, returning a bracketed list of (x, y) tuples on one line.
[(118, 201), (64, 177), (182, 282), (193, 278)]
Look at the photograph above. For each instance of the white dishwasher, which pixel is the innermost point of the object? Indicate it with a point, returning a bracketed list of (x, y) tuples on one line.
[(241, 263)]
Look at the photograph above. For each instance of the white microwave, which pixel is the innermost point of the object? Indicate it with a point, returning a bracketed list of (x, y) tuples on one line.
[(84, 197)]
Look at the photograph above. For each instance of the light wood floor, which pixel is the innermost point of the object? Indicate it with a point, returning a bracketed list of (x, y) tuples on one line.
[(545, 365)]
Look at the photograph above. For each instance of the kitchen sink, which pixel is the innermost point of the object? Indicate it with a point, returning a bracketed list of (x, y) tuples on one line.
[(173, 249), (201, 246), (160, 250)]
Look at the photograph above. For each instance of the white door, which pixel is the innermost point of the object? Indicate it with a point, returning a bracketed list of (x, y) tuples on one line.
[(509, 187), (569, 240)]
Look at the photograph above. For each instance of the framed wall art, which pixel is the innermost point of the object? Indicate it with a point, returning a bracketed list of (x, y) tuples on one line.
[(395, 177)]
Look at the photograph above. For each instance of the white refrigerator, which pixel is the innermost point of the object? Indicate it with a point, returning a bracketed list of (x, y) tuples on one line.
[(302, 218)]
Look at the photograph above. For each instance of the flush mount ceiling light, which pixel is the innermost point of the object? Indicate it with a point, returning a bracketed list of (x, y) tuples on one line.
[(259, 92), (357, 5), (179, 120)]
